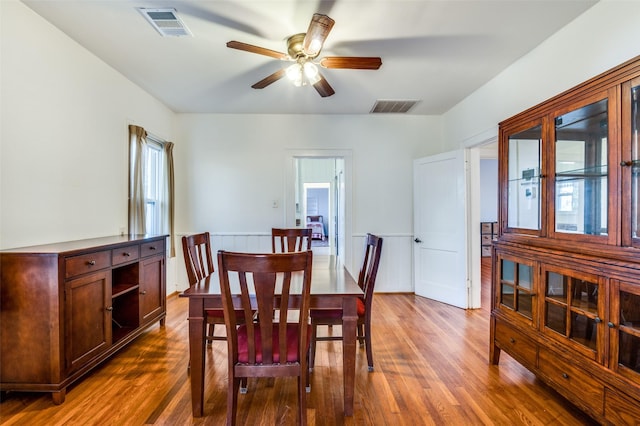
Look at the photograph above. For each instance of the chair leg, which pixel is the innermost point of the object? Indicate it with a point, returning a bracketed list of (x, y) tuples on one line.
[(312, 348), (302, 400), (361, 334), (211, 329), (232, 399), (367, 338)]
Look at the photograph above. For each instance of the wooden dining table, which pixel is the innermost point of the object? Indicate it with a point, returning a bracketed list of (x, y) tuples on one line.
[(332, 287)]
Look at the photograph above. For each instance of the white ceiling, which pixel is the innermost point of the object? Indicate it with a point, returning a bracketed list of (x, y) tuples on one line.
[(436, 52)]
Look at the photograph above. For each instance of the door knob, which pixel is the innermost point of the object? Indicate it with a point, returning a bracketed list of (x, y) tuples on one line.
[(418, 240)]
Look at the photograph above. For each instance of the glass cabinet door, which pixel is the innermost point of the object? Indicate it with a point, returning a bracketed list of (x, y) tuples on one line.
[(523, 192), (625, 322), (631, 159), (572, 309), (581, 170), (516, 287)]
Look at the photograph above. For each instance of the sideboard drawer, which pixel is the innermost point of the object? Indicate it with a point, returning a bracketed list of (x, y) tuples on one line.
[(125, 254), (575, 384), (149, 249), (516, 344), (84, 263)]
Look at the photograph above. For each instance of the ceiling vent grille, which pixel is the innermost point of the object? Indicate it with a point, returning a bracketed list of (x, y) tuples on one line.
[(393, 107), (166, 22)]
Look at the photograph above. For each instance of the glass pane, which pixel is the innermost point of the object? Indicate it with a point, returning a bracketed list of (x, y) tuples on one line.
[(508, 271), (630, 310), (524, 179), (506, 295), (556, 287), (583, 330), (524, 276), (581, 170), (629, 344), (585, 295), (630, 351), (524, 304), (635, 156), (556, 318)]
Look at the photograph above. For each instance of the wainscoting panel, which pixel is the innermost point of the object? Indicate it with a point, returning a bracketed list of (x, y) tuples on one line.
[(395, 274)]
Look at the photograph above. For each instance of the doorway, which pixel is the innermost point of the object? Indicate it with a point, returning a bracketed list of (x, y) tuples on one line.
[(315, 169)]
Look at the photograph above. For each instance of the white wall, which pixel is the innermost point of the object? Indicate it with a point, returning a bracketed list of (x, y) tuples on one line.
[(233, 167), (603, 37), (64, 135)]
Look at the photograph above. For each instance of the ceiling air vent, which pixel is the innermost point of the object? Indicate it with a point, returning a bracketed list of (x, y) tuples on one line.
[(398, 107), (166, 22)]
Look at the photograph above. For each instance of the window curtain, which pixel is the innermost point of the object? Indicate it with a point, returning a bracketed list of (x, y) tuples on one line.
[(169, 192), (137, 160)]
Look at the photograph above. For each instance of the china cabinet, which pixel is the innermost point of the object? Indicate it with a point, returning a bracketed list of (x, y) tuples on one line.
[(66, 307), (566, 275)]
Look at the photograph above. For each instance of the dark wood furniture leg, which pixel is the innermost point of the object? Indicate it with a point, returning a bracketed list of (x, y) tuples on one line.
[(196, 350), (349, 323)]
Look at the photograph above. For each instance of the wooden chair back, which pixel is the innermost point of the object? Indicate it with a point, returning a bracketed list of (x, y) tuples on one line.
[(287, 240), (272, 346), (369, 269), (198, 259)]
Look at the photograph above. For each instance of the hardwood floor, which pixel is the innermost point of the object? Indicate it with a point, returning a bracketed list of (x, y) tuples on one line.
[(431, 368)]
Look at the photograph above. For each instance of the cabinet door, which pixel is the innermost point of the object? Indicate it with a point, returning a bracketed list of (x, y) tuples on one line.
[(573, 310), (630, 163), (87, 318), (580, 171), (624, 326), (152, 288), (515, 294), (521, 188)]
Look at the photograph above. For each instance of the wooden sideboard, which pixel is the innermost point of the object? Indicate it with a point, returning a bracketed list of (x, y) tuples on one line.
[(66, 307)]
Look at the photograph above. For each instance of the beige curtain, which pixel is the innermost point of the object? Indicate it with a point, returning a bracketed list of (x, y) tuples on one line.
[(137, 152), (169, 195)]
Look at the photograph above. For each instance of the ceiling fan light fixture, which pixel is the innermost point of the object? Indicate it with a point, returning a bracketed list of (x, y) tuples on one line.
[(303, 73), (311, 73), (294, 73)]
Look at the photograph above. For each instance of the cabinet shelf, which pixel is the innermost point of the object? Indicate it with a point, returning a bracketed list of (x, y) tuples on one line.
[(121, 289)]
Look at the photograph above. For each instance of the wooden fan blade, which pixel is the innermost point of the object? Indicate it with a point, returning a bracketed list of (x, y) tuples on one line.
[(351, 62), (323, 87), (256, 49), (269, 79), (317, 33)]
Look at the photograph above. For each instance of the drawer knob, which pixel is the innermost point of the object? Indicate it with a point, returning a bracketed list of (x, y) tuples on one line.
[(152, 248), (512, 340), (143, 292), (611, 325), (110, 308), (91, 262), (565, 376), (126, 254), (597, 320)]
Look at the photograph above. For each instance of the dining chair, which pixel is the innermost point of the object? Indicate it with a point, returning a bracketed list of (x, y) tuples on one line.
[(286, 240), (198, 261), (367, 282), (269, 347)]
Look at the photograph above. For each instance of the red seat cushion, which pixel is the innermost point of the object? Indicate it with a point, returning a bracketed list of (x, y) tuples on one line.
[(336, 313), (292, 343)]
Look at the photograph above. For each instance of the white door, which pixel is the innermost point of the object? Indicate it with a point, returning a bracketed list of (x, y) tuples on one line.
[(440, 228)]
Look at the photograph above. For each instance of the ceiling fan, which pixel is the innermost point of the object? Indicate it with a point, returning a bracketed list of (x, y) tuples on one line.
[(303, 49)]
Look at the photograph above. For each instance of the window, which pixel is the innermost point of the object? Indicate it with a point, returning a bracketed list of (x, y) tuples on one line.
[(150, 185), (153, 184)]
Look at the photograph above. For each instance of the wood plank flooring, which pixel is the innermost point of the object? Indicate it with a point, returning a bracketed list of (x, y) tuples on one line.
[(431, 368)]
